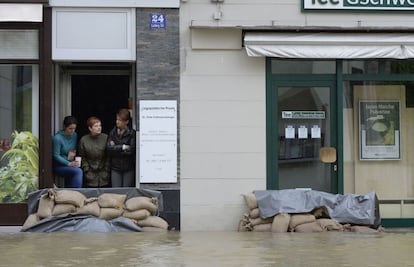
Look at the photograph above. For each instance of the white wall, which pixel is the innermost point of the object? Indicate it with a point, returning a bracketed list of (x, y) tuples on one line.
[(222, 137), (222, 128)]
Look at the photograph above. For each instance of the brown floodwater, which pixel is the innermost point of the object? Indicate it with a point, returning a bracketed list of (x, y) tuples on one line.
[(207, 249)]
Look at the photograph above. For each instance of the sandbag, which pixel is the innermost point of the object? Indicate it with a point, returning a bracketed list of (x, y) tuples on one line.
[(301, 218), (254, 213), (30, 220), (262, 227), (59, 209), (111, 200), (110, 213), (136, 214), (153, 221), (311, 227), (46, 205), (65, 196), (142, 202), (261, 221), (251, 200), (330, 225), (90, 208), (280, 223), (243, 226)]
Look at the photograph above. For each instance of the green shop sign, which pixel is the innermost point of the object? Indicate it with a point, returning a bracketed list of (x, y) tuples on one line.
[(391, 5)]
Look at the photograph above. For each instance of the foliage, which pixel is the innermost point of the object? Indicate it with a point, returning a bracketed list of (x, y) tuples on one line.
[(20, 176)]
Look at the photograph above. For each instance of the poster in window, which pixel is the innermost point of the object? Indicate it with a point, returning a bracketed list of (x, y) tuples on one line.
[(379, 122)]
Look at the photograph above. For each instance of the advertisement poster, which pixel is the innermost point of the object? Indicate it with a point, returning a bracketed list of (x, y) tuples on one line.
[(379, 123), (158, 141)]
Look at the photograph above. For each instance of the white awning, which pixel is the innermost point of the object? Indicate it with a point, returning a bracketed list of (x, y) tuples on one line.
[(330, 45)]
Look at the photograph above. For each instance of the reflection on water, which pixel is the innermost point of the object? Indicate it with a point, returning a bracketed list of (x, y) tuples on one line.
[(207, 249)]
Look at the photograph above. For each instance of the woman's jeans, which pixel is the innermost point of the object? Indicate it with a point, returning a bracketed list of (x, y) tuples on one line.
[(73, 175), (123, 178)]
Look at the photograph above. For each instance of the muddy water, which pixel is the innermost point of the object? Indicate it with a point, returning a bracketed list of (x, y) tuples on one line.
[(207, 249)]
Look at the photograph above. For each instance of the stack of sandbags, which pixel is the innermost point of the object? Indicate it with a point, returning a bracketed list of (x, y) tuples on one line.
[(141, 210), (314, 221), (251, 221)]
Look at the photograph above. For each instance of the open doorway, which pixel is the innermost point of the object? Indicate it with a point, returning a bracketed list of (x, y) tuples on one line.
[(98, 95)]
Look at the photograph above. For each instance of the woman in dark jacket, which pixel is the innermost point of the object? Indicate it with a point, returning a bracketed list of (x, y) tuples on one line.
[(121, 148), (95, 161)]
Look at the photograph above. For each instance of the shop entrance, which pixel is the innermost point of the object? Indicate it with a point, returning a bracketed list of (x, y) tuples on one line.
[(306, 147), (302, 129)]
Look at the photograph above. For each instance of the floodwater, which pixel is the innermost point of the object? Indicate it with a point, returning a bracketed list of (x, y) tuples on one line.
[(207, 249)]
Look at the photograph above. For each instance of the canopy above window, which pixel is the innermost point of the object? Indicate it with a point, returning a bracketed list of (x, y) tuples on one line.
[(329, 45)]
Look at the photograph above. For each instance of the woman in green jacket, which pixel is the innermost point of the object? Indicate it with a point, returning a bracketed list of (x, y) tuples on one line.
[(95, 161)]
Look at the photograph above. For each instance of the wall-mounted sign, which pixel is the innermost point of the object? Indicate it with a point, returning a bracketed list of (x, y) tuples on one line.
[(158, 21), (158, 141), (390, 5), (379, 126), (303, 114)]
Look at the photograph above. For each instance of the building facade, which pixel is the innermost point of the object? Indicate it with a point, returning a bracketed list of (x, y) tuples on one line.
[(227, 97), (265, 85), (85, 58)]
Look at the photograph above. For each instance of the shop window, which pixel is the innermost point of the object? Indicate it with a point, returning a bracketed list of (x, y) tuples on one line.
[(18, 132), (377, 134)]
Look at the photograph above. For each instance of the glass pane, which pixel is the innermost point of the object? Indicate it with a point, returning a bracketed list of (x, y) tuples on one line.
[(302, 67), (18, 132), (19, 44), (378, 142), (304, 127), (378, 66)]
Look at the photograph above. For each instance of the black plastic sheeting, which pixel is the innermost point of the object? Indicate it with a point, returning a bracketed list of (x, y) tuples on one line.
[(87, 223), (82, 223), (349, 208)]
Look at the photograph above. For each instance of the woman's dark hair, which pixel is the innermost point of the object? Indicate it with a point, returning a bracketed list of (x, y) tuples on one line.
[(68, 120)]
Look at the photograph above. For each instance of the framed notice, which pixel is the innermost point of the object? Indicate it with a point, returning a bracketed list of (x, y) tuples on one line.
[(379, 127), (158, 141)]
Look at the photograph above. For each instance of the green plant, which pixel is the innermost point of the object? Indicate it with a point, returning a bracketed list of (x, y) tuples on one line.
[(20, 176)]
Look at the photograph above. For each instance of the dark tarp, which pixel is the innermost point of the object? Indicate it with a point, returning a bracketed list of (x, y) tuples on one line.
[(87, 223), (349, 208), (82, 223)]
